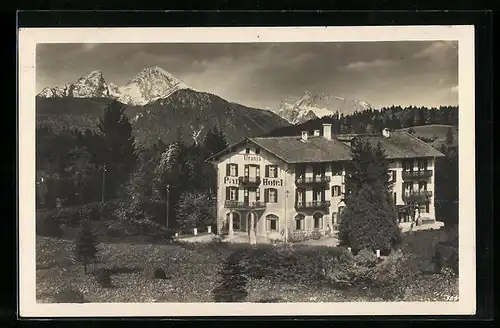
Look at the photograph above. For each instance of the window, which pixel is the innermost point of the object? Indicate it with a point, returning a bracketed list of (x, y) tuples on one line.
[(394, 198), (247, 170), (299, 222), (271, 171), (422, 164), (407, 187), (271, 222), (271, 195), (232, 170), (422, 186), (300, 170), (257, 150), (231, 193), (318, 221), (300, 196), (247, 151), (318, 194), (318, 170), (336, 191), (336, 169), (257, 194), (407, 166)]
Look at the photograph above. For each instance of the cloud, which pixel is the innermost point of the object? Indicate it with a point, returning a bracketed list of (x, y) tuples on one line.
[(362, 65), (436, 49)]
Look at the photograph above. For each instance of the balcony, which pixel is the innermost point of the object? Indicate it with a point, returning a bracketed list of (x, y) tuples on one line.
[(244, 205), (314, 205), (410, 175), (417, 196), (249, 181), (312, 180)]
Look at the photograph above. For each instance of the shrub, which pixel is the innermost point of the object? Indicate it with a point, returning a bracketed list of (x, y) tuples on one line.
[(392, 276), (159, 273), (94, 211), (69, 296), (349, 270), (103, 277), (48, 226), (316, 235)]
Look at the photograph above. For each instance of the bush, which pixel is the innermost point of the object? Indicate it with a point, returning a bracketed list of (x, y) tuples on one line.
[(159, 273), (69, 296), (103, 277), (393, 276), (298, 236), (349, 270), (233, 280), (47, 225), (94, 211), (316, 235)]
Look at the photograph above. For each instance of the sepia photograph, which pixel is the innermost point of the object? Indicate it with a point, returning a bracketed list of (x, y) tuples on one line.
[(279, 166)]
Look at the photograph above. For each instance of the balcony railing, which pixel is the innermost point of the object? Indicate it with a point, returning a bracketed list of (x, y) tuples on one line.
[(417, 196), (315, 204), (249, 181), (312, 180), (243, 205), (407, 175)]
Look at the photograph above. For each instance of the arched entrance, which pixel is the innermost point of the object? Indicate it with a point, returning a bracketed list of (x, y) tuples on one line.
[(300, 221), (318, 220), (236, 221)]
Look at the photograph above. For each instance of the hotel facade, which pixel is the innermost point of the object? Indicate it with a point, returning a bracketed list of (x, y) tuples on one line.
[(275, 186)]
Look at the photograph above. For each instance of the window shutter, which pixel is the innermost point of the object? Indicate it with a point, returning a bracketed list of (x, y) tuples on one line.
[(237, 193), (266, 195), (267, 171), (228, 170), (276, 195), (228, 196), (322, 195), (236, 166), (247, 170), (276, 171), (257, 171)]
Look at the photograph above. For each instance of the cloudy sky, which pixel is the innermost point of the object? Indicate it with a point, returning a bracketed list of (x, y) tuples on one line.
[(262, 74)]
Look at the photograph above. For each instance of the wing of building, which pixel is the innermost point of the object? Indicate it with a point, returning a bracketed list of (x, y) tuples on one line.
[(269, 187)]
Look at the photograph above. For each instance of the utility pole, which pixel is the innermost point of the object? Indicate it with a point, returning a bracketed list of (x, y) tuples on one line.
[(103, 183), (168, 205)]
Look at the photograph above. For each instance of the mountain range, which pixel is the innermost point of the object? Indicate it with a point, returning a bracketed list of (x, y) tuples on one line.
[(312, 106), (159, 105)]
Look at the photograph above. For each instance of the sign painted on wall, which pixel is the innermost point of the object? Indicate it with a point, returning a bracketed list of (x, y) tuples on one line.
[(252, 158), (231, 180), (272, 182)]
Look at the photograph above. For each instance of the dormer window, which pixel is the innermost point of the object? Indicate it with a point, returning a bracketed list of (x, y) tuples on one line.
[(247, 151)]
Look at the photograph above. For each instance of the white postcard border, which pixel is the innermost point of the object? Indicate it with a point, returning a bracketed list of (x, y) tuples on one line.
[(29, 37)]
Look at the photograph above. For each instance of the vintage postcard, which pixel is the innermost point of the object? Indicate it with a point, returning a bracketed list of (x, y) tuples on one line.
[(246, 171)]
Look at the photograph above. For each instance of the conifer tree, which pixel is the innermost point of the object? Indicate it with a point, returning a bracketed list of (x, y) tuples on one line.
[(86, 245), (118, 152), (370, 219)]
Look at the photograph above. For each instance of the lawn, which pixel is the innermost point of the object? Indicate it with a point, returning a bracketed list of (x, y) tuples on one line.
[(195, 271)]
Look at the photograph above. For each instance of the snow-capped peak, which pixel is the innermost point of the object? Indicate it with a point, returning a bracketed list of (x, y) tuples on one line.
[(311, 106), (150, 84)]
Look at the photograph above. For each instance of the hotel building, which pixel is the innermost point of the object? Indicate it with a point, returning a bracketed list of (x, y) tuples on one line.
[(273, 186)]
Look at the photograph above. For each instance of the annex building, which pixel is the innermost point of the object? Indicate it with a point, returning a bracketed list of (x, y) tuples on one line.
[(272, 186)]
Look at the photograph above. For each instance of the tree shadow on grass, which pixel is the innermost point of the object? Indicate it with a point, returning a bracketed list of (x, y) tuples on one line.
[(233, 280)]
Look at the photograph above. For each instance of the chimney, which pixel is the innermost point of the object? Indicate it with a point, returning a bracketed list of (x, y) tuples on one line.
[(386, 133), (316, 133), (304, 135), (327, 131)]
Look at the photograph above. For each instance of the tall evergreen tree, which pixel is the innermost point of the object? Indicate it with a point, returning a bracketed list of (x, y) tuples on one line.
[(370, 219), (86, 245), (118, 148), (215, 141), (449, 137)]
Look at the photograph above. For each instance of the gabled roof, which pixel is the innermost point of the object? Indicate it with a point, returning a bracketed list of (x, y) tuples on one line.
[(402, 145), (318, 149)]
